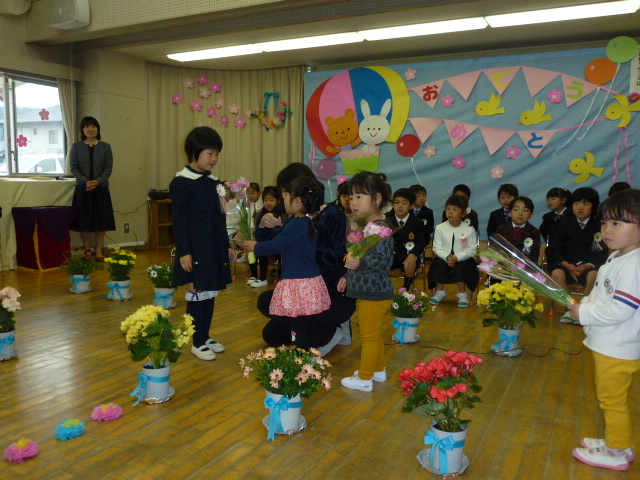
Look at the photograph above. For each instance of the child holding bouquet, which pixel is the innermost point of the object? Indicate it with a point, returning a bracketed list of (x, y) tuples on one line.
[(611, 320), (368, 263)]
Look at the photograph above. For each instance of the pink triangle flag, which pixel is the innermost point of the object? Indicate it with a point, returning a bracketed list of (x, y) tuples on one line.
[(425, 126), (501, 77), (575, 88), (495, 138), (429, 92), (458, 131), (464, 83), (537, 78), (536, 140)]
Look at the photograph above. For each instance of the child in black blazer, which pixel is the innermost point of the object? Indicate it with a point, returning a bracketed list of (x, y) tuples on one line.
[(518, 231), (506, 194), (422, 212)]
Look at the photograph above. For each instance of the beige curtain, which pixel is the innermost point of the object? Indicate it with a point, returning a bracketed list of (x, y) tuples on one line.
[(251, 152), (67, 94)]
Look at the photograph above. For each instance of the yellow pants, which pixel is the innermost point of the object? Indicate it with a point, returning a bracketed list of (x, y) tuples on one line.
[(613, 379), (371, 314)]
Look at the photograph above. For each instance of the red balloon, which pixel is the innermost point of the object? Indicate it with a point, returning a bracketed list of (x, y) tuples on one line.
[(408, 145), (600, 71), (327, 168)]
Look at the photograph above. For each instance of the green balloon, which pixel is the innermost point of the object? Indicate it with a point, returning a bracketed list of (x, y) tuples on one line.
[(622, 49)]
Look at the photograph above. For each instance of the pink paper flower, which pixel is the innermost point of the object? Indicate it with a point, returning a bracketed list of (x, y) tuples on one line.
[(224, 120), (555, 96), (240, 122), (22, 141), (212, 112), (410, 74), (497, 171), (203, 79), (188, 82), (107, 412), (197, 105), (205, 92), (342, 178), (220, 103), (247, 113), (216, 87), (459, 163), (447, 101), (430, 151), (233, 108), (513, 152), (44, 114), (634, 97), (24, 448), (176, 99)]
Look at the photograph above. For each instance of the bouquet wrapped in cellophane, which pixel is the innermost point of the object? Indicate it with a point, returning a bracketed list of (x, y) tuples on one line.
[(362, 238), (502, 260), (239, 189)]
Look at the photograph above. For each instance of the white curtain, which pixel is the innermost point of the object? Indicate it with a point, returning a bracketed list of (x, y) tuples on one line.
[(67, 94), (251, 152)]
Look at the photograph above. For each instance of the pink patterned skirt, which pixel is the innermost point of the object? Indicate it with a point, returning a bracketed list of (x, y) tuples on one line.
[(294, 297)]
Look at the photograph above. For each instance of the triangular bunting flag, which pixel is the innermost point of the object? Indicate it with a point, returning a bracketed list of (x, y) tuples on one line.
[(425, 126), (536, 140), (538, 78), (464, 83), (429, 92), (459, 131), (495, 138), (575, 88), (501, 77)]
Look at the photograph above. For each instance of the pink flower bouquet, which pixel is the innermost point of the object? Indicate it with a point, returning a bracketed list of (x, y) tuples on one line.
[(360, 241)]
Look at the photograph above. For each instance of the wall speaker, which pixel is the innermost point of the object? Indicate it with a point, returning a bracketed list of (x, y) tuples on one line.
[(68, 14)]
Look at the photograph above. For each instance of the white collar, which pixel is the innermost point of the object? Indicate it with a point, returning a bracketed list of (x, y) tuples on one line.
[(398, 219), (516, 226), (187, 173)]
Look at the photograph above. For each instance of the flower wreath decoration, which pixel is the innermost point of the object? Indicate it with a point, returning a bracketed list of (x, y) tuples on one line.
[(282, 111)]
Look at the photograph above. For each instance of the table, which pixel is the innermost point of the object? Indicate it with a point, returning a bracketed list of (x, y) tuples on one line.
[(26, 192)]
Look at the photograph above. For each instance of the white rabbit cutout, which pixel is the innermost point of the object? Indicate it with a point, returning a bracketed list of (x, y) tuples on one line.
[(374, 129)]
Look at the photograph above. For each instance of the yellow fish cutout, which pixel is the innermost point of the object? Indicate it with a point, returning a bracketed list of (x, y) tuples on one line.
[(622, 110), (585, 168), (537, 115), (490, 107)]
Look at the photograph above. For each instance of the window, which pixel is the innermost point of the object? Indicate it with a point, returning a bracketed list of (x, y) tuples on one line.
[(31, 116)]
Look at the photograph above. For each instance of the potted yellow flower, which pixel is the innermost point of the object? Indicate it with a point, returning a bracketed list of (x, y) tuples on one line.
[(161, 277), (151, 335), (8, 306), (80, 266), (510, 304), (119, 264)]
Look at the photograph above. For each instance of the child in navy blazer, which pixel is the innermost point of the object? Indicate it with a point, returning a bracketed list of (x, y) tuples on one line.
[(506, 194), (518, 231), (422, 212)]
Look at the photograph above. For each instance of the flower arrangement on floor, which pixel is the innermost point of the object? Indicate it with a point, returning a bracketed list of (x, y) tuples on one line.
[(361, 239), (408, 304), (161, 275), (288, 370), (21, 450), (80, 263), (510, 305), (150, 334), (442, 388), (9, 297), (120, 263)]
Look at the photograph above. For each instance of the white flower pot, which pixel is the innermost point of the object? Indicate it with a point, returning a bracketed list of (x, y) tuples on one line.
[(80, 283), (157, 380), (281, 420), (119, 290), (447, 455), (8, 345), (507, 346), (164, 298), (406, 330)]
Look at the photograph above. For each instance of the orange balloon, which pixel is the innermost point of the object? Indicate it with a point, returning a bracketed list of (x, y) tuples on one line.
[(600, 71)]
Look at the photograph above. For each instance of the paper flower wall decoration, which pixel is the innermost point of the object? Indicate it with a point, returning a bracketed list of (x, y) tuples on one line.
[(224, 120), (24, 448), (410, 74), (280, 118), (247, 113), (176, 99), (212, 112), (197, 105), (233, 108), (447, 101), (497, 171), (459, 163), (555, 96), (341, 179), (634, 97), (107, 412), (220, 103), (188, 82), (22, 141), (205, 92), (216, 87), (240, 122), (430, 151), (203, 79), (44, 114), (69, 429), (513, 152)]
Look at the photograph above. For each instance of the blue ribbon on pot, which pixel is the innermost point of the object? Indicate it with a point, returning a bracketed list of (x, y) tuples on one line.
[(141, 389), (8, 340), (267, 99), (444, 445), (506, 343), (401, 328), (166, 299), (115, 287), (275, 422), (77, 280)]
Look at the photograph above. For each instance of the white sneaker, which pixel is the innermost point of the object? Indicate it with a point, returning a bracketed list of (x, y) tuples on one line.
[(463, 300), (251, 280), (258, 284), (214, 346), (438, 297), (600, 443), (203, 352), (356, 383), (377, 376), (604, 457)]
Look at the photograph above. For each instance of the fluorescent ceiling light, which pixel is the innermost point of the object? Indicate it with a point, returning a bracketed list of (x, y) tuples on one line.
[(447, 26), (311, 42), (564, 13), (215, 53)]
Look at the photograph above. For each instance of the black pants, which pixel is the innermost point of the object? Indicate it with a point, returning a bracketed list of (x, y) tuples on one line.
[(202, 313)]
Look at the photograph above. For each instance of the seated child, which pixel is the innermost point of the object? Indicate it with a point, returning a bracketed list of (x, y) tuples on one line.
[(618, 187), (506, 194), (578, 250), (408, 238), (342, 202), (422, 212), (255, 203), (454, 244), (519, 232), (558, 200), (464, 191), (271, 201)]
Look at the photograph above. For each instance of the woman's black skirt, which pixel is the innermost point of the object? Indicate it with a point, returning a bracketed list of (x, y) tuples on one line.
[(94, 209)]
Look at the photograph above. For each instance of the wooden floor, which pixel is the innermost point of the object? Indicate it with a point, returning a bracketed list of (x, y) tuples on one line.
[(535, 408)]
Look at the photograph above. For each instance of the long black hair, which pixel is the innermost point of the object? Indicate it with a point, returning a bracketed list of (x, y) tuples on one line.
[(311, 194)]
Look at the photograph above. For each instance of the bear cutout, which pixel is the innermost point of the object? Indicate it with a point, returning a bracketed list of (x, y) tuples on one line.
[(342, 132)]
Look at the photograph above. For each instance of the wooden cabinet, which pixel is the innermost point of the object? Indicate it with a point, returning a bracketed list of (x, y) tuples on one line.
[(161, 225)]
